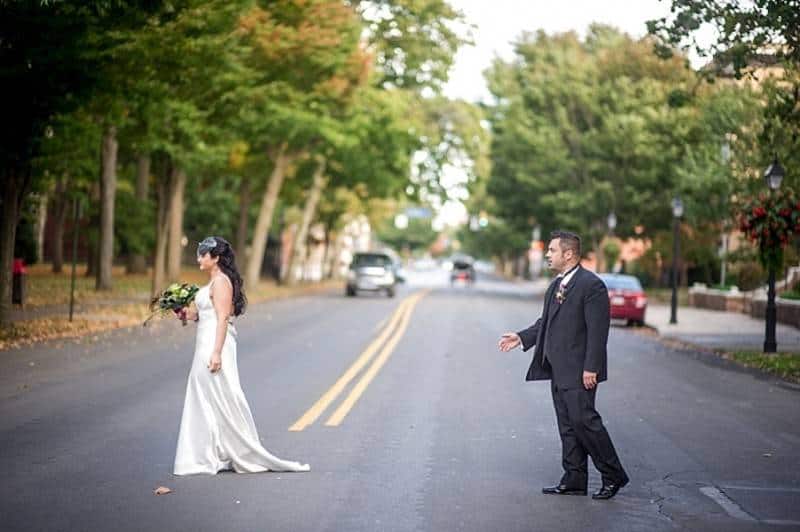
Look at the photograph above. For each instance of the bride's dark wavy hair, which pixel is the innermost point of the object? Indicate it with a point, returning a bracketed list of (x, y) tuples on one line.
[(227, 263)]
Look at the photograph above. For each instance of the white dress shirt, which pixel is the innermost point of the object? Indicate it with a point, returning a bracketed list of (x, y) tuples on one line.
[(565, 279)]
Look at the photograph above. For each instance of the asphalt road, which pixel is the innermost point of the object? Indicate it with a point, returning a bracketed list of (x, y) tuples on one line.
[(409, 416)]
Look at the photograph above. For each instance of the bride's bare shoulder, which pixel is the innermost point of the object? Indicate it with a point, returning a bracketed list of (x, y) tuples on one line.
[(224, 277)]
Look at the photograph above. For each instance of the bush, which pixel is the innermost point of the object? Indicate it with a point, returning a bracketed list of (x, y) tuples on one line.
[(747, 275), (637, 269)]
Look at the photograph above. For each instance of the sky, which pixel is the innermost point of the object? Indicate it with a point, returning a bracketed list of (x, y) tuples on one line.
[(497, 23)]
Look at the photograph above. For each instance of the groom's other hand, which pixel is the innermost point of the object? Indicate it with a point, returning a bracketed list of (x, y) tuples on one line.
[(509, 341), (589, 380)]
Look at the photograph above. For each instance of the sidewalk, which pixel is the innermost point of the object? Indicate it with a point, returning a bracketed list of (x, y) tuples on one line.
[(38, 323), (718, 330), (93, 310)]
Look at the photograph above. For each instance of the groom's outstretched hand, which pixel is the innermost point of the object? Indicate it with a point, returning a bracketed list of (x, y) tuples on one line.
[(509, 341)]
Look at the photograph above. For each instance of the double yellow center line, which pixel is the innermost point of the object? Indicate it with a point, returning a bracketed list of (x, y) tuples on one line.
[(393, 331)]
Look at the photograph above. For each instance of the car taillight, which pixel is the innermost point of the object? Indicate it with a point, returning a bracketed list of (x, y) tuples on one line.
[(641, 301)]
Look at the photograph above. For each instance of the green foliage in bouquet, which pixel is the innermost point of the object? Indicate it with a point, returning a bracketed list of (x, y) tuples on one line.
[(176, 297)]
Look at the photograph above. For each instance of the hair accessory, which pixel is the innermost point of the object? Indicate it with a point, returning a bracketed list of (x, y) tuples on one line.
[(206, 246)]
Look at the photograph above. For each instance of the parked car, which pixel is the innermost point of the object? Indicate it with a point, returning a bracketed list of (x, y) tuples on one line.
[(626, 296), (373, 272)]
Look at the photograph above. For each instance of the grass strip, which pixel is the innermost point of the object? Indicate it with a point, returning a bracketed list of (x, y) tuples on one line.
[(784, 365)]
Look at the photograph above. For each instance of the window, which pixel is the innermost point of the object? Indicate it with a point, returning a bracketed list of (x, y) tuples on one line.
[(622, 282), (371, 260)]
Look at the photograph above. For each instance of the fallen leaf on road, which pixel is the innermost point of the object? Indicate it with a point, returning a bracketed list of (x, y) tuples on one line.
[(161, 490)]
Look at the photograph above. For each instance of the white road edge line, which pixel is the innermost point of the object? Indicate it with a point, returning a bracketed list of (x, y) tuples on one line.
[(781, 522), (732, 509)]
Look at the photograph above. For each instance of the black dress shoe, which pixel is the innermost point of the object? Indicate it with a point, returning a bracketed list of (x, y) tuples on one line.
[(562, 489), (609, 490)]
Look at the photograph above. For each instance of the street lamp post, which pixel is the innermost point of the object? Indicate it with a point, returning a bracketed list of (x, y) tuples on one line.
[(677, 212), (773, 175)]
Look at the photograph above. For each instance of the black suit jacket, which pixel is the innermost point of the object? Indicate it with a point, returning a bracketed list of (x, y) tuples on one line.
[(575, 333)]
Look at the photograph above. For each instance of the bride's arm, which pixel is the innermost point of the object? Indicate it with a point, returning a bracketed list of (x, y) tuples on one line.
[(222, 298)]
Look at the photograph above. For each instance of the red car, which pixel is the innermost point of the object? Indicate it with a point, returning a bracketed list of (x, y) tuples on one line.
[(627, 298)]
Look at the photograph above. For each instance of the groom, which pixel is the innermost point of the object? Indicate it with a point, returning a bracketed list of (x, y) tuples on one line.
[(570, 350)]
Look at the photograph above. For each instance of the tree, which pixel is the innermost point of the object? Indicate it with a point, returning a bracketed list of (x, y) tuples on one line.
[(43, 56), (744, 30), (136, 247), (582, 128), (415, 41), (368, 151), (318, 182), (51, 65), (419, 235), (292, 88), (757, 41), (174, 115), (108, 191)]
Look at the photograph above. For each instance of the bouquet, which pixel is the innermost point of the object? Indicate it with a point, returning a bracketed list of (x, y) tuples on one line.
[(175, 298)]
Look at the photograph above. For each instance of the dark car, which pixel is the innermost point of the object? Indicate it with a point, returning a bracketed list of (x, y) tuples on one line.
[(463, 270), (626, 296), (372, 272)]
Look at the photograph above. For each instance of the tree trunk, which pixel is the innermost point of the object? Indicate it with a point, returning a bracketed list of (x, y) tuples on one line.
[(327, 271), (108, 190), (41, 220), (12, 194), (175, 250), (265, 213), (599, 256), (92, 232), (299, 253), (508, 266), (60, 205), (162, 231), (241, 228), (136, 262)]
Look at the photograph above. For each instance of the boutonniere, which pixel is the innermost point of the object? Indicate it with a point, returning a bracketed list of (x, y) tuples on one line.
[(561, 295)]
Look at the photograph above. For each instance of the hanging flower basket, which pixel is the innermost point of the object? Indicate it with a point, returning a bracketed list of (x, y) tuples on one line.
[(770, 221)]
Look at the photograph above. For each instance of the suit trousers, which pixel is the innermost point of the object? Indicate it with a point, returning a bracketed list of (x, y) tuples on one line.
[(582, 433)]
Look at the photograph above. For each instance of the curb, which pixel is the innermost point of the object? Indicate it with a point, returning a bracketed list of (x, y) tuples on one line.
[(716, 358)]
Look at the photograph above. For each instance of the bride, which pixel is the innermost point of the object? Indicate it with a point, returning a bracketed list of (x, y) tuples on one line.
[(217, 430)]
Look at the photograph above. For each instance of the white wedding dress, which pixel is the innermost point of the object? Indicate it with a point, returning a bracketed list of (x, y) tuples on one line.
[(217, 429)]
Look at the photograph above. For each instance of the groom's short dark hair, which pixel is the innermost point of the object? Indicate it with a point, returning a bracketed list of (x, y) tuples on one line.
[(567, 241)]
